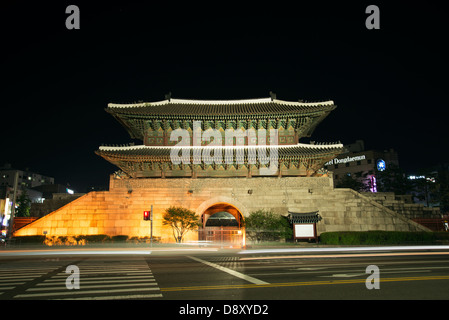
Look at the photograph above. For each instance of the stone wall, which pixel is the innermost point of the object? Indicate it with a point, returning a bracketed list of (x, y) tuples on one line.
[(120, 210), (404, 205)]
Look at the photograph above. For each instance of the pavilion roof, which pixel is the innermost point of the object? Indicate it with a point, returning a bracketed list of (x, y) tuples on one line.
[(133, 116), (304, 217), (141, 152), (220, 107)]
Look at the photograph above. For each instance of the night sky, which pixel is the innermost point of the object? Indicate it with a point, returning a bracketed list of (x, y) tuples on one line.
[(389, 85)]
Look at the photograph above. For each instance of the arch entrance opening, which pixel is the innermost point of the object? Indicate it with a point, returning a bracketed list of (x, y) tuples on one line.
[(222, 224)]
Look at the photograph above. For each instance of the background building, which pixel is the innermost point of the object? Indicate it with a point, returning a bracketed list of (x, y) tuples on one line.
[(361, 164), (27, 178), (45, 196)]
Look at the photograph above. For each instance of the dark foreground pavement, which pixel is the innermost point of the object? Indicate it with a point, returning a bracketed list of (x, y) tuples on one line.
[(231, 281)]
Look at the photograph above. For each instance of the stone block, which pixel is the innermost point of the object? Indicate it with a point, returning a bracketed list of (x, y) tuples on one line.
[(84, 223), (355, 227), (61, 231)]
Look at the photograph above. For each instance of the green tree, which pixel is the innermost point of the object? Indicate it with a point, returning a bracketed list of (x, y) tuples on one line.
[(393, 179), (24, 205), (348, 182), (442, 181), (181, 220), (265, 225), (425, 188)]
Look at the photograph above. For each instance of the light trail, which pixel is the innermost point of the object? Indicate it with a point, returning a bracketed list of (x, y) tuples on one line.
[(358, 255), (344, 249), (86, 251), (14, 253)]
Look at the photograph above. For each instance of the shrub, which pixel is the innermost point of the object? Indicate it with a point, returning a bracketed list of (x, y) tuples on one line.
[(119, 238), (264, 225), (379, 237), (93, 238), (62, 241), (30, 239)]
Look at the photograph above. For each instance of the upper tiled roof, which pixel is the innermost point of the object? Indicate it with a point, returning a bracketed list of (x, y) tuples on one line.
[(180, 107)]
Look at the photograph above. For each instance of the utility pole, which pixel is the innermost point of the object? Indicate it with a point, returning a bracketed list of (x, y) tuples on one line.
[(151, 228), (13, 207)]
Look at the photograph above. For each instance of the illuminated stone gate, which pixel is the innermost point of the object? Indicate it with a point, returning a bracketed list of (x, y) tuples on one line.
[(234, 184)]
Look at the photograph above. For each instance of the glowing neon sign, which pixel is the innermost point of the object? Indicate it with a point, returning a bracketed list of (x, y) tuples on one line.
[(381, 165), (373, 184)]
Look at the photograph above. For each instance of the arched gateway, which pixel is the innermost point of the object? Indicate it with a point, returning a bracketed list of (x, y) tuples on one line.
[(222, 223)]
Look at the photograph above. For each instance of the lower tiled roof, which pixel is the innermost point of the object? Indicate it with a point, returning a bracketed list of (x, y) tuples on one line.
[(284, 151)]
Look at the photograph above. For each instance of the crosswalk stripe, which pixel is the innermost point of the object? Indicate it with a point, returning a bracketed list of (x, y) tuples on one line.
[(12, 280), (133, 296), (11, 283), (6, 288), (34, 274), (95, 286), (63, 274), (76, 292), (46, 269), (21, 277), (98, 281), (59, 279)]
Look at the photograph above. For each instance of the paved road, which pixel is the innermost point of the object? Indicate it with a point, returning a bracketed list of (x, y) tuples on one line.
[(100, 278), (287, 277), (225, 275)]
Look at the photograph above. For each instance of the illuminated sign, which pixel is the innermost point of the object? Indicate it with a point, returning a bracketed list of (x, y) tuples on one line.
[(431, 179), (381, 165), (345, 160), (373, 184)]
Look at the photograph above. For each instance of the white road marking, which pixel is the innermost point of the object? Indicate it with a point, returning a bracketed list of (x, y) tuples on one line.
[(230, 271), (95, 286), (58, 278), (75, 292), (344, 275), (19, 277), (52, 283), (310, 269), (350, 275), (133, 296)]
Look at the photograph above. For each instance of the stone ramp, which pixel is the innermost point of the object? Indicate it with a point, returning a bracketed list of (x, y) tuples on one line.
[(98, 212), (397, 219)]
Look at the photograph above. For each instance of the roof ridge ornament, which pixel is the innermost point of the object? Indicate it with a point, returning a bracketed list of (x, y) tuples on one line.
[(168, 96), (272, 96)]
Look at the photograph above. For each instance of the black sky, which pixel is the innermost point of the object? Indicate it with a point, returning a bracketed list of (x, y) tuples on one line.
[(390, 85)]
